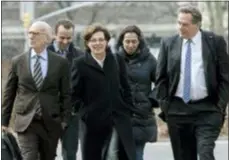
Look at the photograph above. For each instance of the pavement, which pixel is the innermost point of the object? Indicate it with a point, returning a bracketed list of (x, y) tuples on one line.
[(163, 151)]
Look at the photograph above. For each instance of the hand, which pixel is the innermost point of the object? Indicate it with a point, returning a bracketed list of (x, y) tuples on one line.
[(64, 125), (4, 128)]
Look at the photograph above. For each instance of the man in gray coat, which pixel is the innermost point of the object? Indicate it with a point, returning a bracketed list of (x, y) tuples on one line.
[(38, 88)]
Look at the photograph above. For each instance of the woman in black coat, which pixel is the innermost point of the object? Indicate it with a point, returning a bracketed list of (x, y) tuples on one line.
[(96, 84), (141, 66)]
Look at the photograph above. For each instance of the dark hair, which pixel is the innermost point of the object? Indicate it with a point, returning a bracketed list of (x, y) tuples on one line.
[(66, 23), (91, 29), (196, 15), (128, 29)]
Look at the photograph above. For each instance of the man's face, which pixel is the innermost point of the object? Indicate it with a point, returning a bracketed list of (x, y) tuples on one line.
[(64, 36), (38, 38), (185, 25)]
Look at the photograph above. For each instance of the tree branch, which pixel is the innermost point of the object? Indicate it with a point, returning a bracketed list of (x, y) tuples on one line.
[(95, 11), (211, 15), (170, 10), (63, 4)]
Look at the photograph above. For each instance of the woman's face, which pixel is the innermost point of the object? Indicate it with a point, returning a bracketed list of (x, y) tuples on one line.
[(130, 42), (97, 43)]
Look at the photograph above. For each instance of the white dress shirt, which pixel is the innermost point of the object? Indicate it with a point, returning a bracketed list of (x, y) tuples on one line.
[(43, 61), (100, 62), (63, 53), (198, 83)]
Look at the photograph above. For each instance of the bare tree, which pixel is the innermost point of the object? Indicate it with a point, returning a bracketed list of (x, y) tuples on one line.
[(166, 8), (171, 9), (110, 18), (216, 12), (95, 11), (64, 4)]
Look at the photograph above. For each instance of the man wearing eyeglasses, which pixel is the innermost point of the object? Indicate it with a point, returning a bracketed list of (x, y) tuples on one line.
[(38, 89)]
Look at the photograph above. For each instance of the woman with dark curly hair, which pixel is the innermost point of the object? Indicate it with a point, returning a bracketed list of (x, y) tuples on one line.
[(141, 66)]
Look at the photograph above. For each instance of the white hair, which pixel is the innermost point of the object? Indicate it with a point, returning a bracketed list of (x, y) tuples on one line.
[(46, 28)]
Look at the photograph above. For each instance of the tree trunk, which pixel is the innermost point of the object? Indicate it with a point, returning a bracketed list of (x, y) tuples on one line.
[(211, 15), (216, 12), (62, 5), (218, 17)]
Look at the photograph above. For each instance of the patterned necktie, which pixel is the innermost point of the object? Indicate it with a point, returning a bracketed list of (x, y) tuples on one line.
[(62, 53), (37, 73), (187, 74)]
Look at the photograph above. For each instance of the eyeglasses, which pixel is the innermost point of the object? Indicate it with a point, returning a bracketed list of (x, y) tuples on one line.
[(100, 40), (35, 33)]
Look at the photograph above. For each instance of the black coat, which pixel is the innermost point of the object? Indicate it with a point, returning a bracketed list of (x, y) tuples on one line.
[(72, 53), (215, 65), (141, 69), (97, 91)]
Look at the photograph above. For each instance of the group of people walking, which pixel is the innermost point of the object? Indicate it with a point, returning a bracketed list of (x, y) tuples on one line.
[(106, 99)]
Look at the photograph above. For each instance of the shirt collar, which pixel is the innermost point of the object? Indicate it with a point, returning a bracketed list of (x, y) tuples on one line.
[(56, 47), (43, 54), (101, 61), (195, 39)]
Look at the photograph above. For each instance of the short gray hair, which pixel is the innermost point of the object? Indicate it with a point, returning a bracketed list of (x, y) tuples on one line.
[(46, 28), (194, 11)]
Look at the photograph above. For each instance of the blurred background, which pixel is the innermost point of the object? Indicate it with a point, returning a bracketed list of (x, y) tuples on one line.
[(156, 19)]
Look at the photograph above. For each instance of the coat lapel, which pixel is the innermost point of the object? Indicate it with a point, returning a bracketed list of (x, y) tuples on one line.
[(28, 68), (205, 52), (92, 63), (109, 64), (49, 68), (175, 56), (177, 49)]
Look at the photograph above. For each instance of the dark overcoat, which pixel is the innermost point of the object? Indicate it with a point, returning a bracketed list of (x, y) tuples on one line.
[(97, 91), (141, 69)]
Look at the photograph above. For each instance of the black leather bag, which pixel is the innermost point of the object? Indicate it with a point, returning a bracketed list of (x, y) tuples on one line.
[(10, 148)]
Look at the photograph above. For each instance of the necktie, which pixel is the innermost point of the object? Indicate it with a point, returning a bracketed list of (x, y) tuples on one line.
[(38, 78), (187, 74), (37, 73), (62, 53)]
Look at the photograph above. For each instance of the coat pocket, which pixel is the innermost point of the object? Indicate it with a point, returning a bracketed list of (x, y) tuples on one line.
[(24, 105), (144, 130)]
